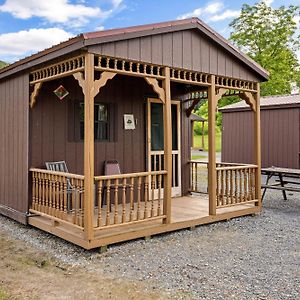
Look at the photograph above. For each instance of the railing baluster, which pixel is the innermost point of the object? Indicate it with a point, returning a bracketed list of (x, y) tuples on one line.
[(65, 198), (107, 202), (146, 197), (245, 185), (116, 200), (159, 196), (173, 170), (43, 193), (139, 197), (33, 190), (231, 186), (153, 179), (131, 198), (236, 186), (81, 203), (241, 186), (196, 177), (218, 188), (226, 187), (222, 187), (99, 222), (124, 200)]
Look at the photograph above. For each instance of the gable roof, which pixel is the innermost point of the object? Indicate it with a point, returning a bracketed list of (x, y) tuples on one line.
[(196, 118), (266, 102), (105, 36)]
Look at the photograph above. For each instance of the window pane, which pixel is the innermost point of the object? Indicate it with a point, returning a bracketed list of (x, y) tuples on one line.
[(100, 121), (100, 131), (157, 127), (100, 112)]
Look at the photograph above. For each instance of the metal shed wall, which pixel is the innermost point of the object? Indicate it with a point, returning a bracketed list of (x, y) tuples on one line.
[(186, 49), (279, 133), (14, 105)]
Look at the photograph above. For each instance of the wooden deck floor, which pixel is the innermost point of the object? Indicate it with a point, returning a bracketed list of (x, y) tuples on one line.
[(187, 211)]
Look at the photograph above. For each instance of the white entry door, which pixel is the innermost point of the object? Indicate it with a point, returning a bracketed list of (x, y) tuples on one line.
[(155, 139)]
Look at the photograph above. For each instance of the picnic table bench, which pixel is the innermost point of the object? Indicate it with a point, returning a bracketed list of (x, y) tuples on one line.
[(285, 176)]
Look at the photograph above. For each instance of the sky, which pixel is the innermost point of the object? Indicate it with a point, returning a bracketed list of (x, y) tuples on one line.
[(29, 26)]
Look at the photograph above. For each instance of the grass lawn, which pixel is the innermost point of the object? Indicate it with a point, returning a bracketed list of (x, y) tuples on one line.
[(198, 157), (197, 141)]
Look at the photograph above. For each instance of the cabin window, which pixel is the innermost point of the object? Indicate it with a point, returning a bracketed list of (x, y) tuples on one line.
[(101, 122)]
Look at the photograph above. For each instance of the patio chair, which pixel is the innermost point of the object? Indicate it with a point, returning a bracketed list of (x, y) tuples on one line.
[(61, 166), (111, 167)]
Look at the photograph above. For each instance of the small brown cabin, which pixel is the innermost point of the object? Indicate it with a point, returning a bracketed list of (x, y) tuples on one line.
[(121, 95), (280, 132)]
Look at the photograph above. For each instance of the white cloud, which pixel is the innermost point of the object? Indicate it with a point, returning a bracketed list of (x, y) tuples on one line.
[(227, 14), (195, 13), (296, 19), (268, 2), (20, 44), (213, 8), (214, 11), (99, 28), (58, 11), (210, 8)]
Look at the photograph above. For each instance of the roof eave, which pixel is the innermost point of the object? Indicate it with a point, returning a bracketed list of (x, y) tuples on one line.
[(56, 51), (278, 106)]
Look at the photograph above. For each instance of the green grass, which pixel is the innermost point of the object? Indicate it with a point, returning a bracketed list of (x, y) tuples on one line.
[(198, 157), (198, 139), (3, 294)]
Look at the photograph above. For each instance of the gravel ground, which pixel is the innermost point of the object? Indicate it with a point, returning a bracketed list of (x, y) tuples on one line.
[(244, 258)]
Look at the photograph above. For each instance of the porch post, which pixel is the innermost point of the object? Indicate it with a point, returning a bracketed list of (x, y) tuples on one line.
[(257, 146), (88, 146), (212, 180), (167, 146)]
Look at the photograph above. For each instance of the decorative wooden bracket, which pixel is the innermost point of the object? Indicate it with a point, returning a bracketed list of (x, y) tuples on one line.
[(220, 92), (160, 91), (249, 99), (79, 77), (35, 93), (98, 84), (191, 108)]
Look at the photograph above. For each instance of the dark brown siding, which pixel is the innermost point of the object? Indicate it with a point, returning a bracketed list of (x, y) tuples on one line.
[(52, 127), (183, 49), (280, 137), (14, 103)]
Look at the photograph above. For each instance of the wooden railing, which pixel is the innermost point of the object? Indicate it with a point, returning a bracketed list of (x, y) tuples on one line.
[(129, 198), (235, 185), (157, 164), (198, 176), (58, 195)]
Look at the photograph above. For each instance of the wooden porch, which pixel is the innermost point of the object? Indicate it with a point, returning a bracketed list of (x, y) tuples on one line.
[(129, 206), (187, 212)]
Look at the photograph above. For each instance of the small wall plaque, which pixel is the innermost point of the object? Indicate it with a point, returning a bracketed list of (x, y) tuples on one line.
[(129, 122)]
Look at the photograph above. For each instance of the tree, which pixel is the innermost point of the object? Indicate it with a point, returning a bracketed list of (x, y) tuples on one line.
[(268, 36), (2, 64)]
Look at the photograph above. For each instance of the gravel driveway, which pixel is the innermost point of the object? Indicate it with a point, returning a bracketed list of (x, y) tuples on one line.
[(244, 258)]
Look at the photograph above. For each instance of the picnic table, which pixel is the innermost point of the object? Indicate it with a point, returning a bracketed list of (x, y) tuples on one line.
[(285, 178)]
